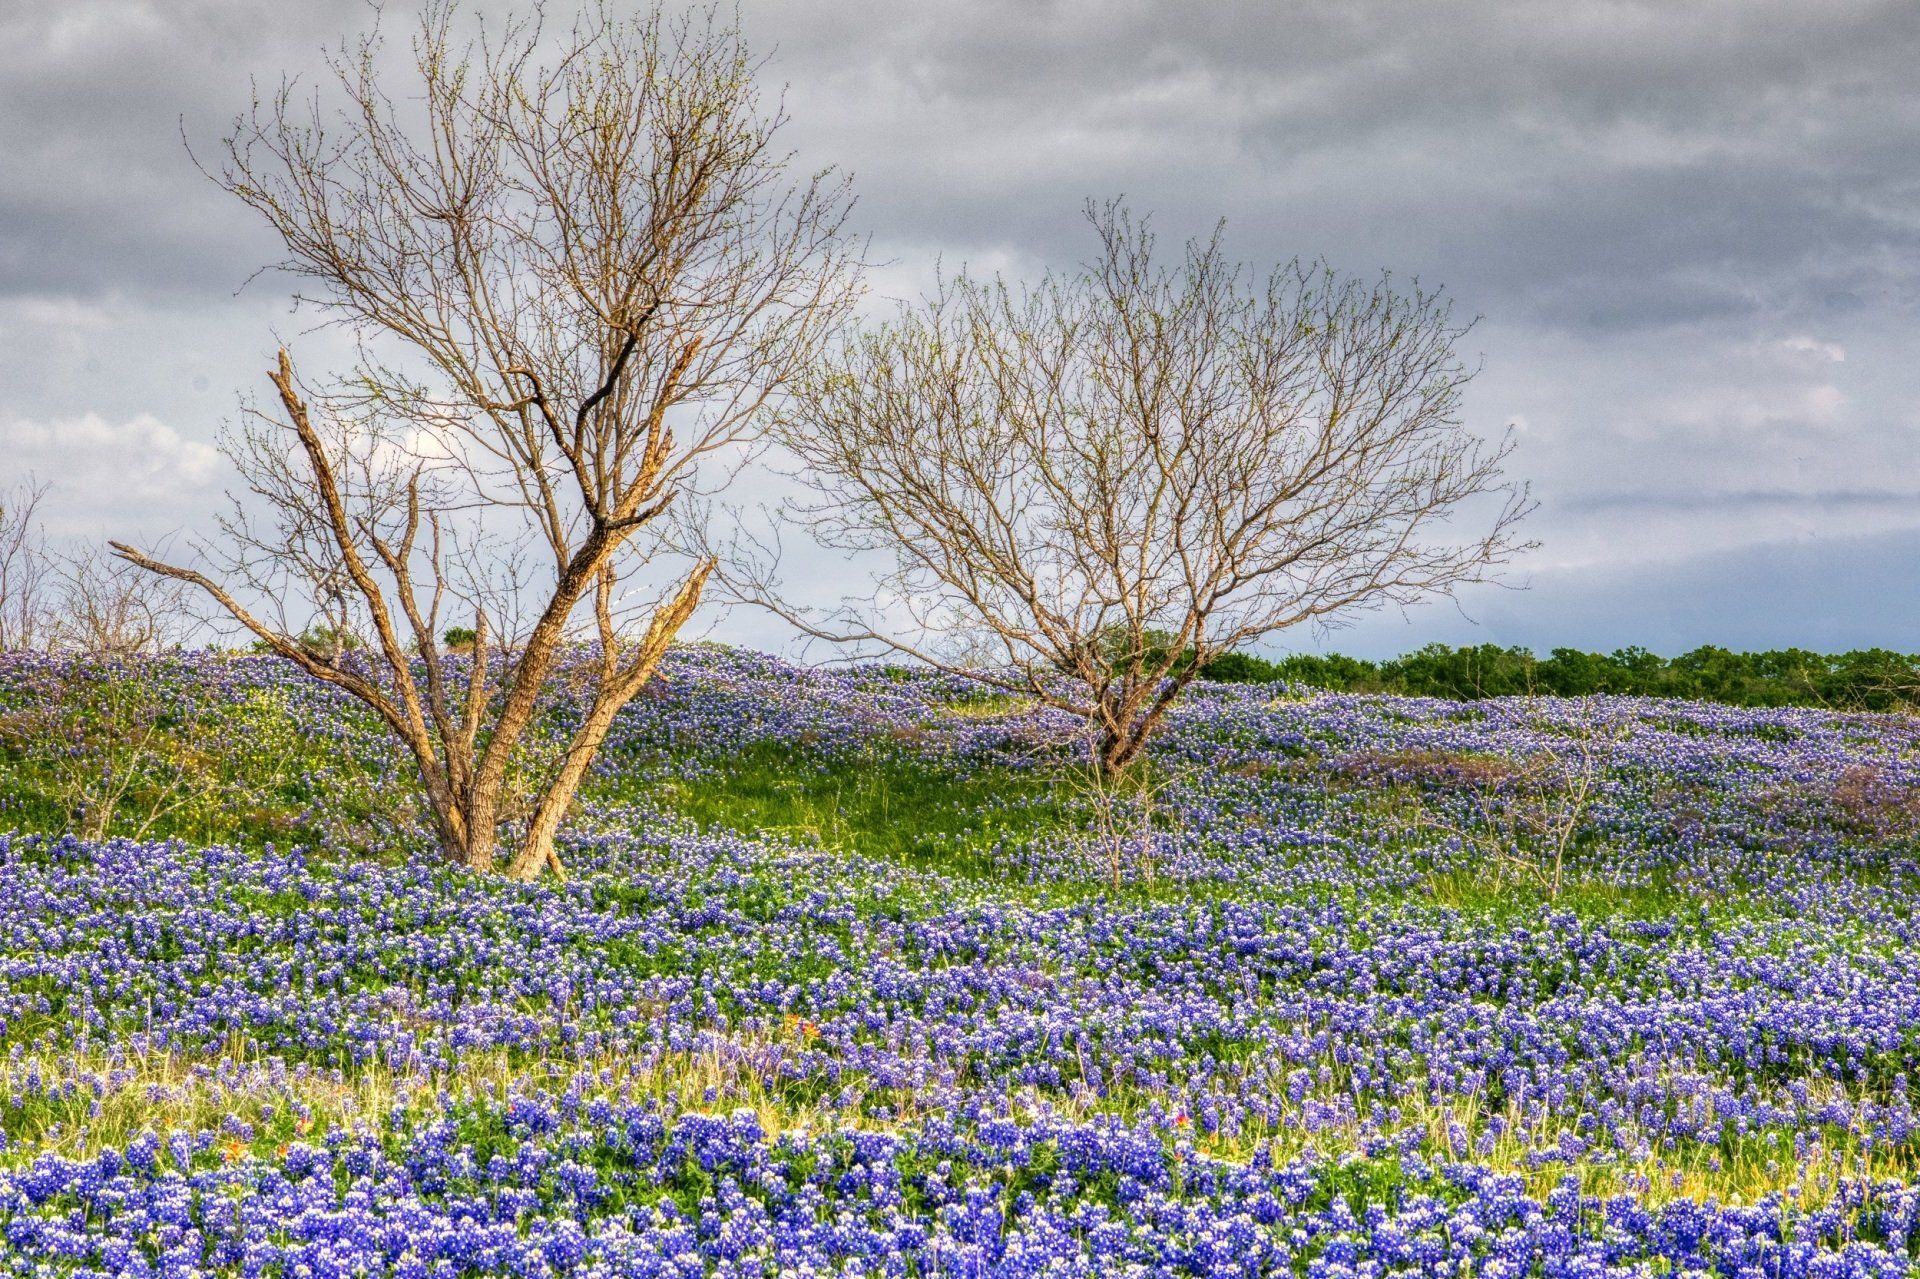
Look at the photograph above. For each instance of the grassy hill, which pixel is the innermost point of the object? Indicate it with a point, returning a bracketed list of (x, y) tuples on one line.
[(856, 971)]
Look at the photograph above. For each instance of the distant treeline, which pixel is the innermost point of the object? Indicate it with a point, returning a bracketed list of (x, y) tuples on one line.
[(1865, 679)]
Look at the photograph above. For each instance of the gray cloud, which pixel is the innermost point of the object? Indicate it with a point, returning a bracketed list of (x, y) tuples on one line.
[(1770, 499), (1693, 229), (1821, 593), (97, 192), (1591, 163)]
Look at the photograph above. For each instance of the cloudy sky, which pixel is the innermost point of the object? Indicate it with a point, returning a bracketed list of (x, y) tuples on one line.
[(1692, 229)]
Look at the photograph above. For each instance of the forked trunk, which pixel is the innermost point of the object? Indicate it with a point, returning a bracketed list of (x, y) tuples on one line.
[(617, 688), (1119, 750), (536, 852), (1131, 720)]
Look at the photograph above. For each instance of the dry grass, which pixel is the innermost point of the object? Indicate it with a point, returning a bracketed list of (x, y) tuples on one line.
[(1425, 766), (83, 1106), (108, 1101)]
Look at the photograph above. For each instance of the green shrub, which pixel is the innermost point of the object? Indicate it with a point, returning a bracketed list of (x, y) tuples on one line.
[(1866, 679)]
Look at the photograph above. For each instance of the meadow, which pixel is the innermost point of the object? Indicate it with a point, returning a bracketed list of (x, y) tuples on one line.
[(857, 972)]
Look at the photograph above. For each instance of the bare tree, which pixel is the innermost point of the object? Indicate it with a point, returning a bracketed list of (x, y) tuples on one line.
[(24, 567), (106, 605), (1119, 473), (578, 267)]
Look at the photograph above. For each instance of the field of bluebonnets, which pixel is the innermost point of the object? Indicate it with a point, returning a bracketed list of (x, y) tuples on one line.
[(841, 983)]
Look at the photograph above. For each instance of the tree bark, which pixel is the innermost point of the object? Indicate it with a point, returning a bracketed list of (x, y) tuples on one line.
[(537, 850)]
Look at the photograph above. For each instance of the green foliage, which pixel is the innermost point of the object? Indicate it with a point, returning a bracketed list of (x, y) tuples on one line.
[(1118, 648), (1348, 674), (1874, 679)]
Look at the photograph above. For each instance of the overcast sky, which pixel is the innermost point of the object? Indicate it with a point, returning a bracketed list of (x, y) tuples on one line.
[(1692, 229)]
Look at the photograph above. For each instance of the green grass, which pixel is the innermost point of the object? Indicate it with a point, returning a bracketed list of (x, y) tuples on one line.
[(921, 813), (893, 802), (248, 776), (1495, 896)]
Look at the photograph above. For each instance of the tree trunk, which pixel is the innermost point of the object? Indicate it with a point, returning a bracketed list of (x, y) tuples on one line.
[(479, 852), (617, 688), (1118, 750), (537, 852)]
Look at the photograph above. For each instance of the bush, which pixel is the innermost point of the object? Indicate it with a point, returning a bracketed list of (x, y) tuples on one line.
[(1873, 679)]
